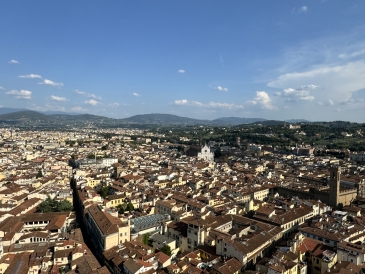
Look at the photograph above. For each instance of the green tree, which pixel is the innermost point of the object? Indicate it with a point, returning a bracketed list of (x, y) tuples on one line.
[(217, 153), (64, 206), (71, 143), (39, 174), (90, 156), (166, 249), (120, 208), (104, 191), (44, 207), (145, 238), (129, 207), (52, 205)]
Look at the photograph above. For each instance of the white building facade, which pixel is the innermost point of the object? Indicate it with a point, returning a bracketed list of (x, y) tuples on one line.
[(206, 154)]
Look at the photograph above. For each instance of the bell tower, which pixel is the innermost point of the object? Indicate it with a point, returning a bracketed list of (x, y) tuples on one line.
[(334, 192)]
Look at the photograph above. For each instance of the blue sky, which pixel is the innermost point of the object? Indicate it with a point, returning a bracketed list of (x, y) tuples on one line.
[(200, 59)]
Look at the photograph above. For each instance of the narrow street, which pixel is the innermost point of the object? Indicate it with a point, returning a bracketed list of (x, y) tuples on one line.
[(81, 225)]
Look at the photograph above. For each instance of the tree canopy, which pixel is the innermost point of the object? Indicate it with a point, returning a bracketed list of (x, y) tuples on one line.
[(124, 207), (104, 191), (52, 205), (145, 239), (166, 249)]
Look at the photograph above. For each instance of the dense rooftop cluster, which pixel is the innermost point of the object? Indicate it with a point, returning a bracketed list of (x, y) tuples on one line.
[(149, 208)]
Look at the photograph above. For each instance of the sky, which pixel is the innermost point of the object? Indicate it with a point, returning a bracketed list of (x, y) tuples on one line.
[(287, 59)]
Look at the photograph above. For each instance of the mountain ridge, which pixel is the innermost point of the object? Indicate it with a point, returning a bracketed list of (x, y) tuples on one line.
[(141, 119)]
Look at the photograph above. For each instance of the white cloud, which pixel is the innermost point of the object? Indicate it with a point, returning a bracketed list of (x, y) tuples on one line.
[(224, 105), (185, 102), (295, 92), (58, 99), (13, 62), (329, 50), (22, 94), (92, 102), (337, 82), (352, 101), (262, 100), (215, 105), (89, 95), (80, 109), (300, 94), (136, 94), (1, 87), (181, 71), (114, 105), (30, 76), (351, 55), (326, 103), (220, 88), (51, 83), (303, 9), (306, 98), (310, 87)]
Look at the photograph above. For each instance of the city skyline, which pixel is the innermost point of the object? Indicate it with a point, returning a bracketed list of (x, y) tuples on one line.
[(273, 60)]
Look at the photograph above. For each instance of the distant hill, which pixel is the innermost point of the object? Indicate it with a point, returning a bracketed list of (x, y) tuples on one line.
[(24, 115), (50, 112), (236, 120), (297, 121), (10, 110), (83, 117), (270, 123), (34, 118), (163, 119), (169, 119), (62, 119)]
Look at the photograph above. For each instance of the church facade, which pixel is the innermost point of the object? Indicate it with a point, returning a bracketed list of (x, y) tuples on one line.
[(206, 154)]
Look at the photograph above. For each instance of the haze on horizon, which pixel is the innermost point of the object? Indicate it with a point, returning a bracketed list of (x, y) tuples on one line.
[(269, 59)]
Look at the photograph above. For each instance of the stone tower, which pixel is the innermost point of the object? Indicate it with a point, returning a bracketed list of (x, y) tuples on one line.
[(334, 192)]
